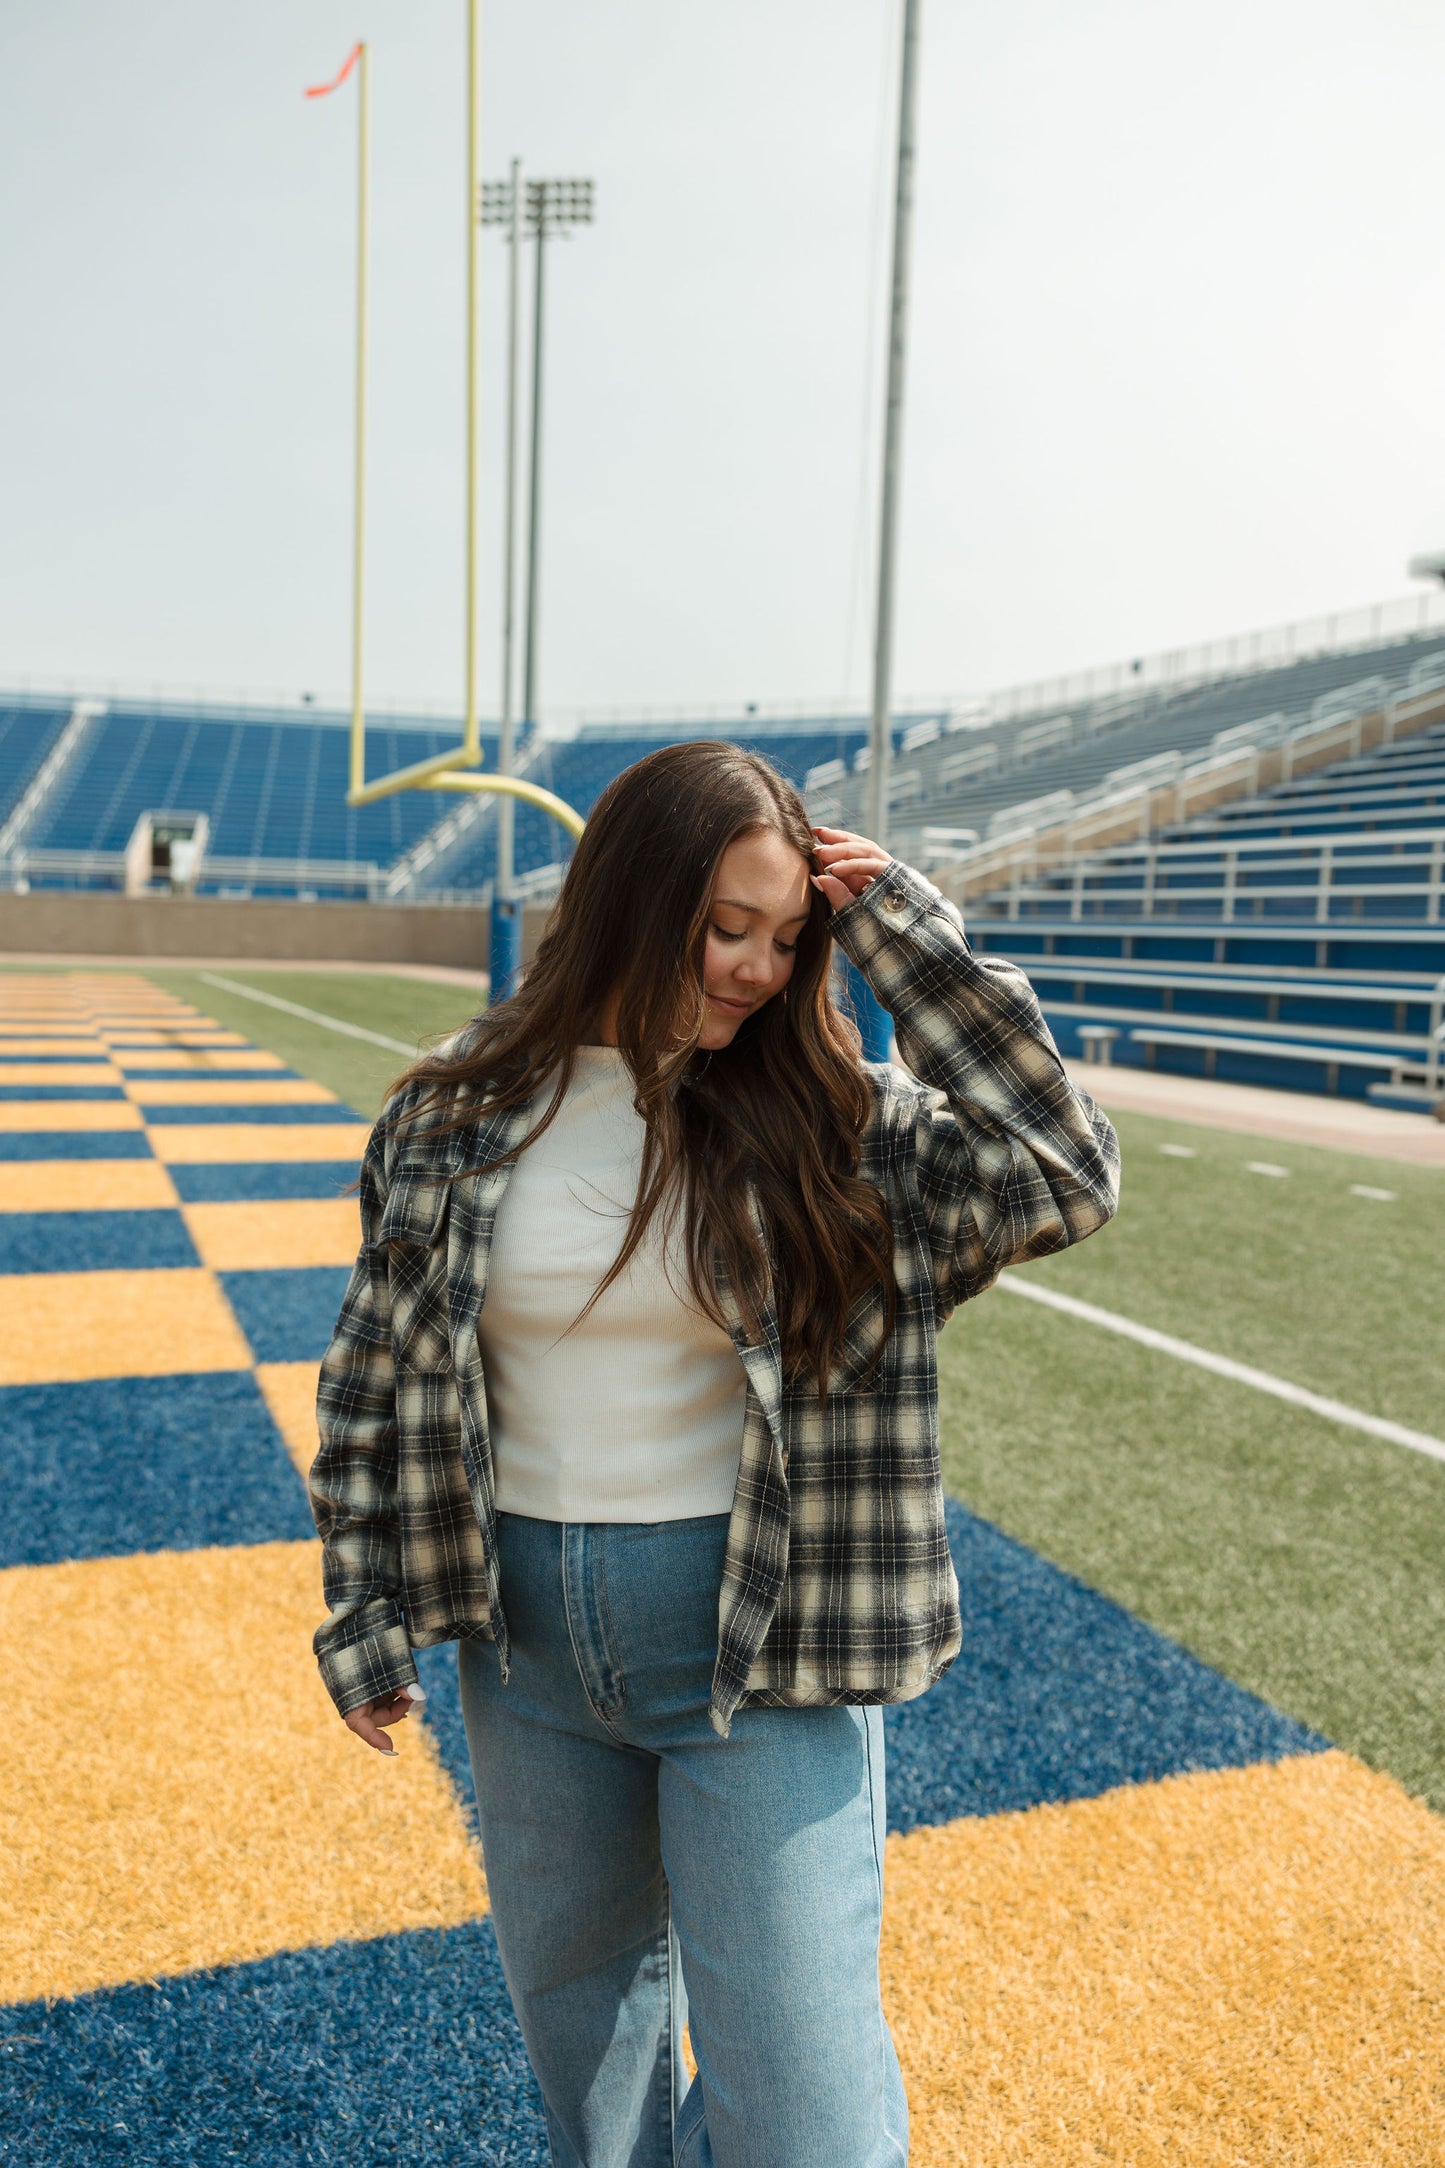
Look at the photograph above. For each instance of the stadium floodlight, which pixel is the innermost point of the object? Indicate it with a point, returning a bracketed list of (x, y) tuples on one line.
[(504, 202), (551, 209), (530, 210)]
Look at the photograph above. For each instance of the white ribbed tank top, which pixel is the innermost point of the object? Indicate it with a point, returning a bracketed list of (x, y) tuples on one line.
[(637, 1414)]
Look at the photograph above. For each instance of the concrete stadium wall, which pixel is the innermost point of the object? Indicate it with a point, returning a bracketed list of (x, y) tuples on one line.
[(58, 922)]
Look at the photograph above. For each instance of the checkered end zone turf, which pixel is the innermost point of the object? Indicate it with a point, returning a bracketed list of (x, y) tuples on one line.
[(1133, 1914)]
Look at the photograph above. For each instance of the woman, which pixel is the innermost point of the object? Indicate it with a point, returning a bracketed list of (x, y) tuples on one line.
[(634, 1395)]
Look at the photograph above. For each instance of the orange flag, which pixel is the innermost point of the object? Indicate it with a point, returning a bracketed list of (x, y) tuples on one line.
[(324, 90)]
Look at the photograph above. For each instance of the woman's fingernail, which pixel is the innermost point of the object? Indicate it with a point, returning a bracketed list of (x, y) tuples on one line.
[(416, 1693)]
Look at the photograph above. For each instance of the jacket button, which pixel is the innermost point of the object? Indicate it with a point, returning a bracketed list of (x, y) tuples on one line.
[(894, 900)]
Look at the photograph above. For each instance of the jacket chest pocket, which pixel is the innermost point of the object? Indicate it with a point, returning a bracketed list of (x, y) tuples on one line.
[(865, 1359), (414, 1235)]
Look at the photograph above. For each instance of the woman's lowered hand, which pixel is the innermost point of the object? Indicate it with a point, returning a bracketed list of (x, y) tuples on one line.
[(367, 1721), (846, 864)]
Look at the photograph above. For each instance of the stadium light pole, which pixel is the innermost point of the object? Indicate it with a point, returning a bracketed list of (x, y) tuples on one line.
[(527, 209), (504, 203), (471, 732), (553, 207), (873, 1020)]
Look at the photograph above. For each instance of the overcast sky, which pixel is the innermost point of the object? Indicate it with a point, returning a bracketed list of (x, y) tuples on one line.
[(1177, 356)]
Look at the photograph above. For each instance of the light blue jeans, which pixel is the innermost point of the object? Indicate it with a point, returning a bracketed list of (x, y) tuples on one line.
[(629, 1849)]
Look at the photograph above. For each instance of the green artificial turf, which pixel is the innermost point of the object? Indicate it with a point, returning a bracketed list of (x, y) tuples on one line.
[(411, 1011), (1293, 1274), (1301, 1558)]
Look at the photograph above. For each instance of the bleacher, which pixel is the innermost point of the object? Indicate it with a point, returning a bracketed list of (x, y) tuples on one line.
[(981, 781), (1239, 876), (579, 770), (272, 783), (1292, 938)]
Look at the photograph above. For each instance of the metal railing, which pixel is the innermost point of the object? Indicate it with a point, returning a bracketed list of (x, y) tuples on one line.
[(106, 869), (1234, 772), (1270, 647), (1316, 877)]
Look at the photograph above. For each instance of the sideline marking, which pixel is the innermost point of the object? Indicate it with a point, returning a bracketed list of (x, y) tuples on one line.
[(312, 1016), (1366, 1189), (1265, 1166), (1224, 1366), (1178, 1151)]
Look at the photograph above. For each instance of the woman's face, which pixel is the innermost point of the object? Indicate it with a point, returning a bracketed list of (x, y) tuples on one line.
[(760, 905)]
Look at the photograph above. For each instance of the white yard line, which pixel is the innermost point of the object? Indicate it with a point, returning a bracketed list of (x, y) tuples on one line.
[(311, 1016), (1224, 1366)]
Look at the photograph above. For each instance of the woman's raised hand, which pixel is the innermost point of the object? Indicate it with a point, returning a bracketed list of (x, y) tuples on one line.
[(367, 1721), (846, 864)]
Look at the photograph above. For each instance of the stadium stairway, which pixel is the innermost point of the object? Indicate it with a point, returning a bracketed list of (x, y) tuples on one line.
[(1126, 1899), (28, 732), (1294, 939)]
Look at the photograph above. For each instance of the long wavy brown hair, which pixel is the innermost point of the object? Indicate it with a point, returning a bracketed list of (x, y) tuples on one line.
[(777, 1115)]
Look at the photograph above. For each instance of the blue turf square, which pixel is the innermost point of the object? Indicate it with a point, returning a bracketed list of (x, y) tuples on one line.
[(287, 1315), (74, 1144), (176, 1117), (398, 2052), (108, 1466), (1060, 1694), (208, 1075), (94, 1241), (234, 1182), (60, 1091)]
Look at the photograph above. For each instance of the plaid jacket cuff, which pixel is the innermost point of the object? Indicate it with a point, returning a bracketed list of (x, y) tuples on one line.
[(365, 1655), (867, 929)]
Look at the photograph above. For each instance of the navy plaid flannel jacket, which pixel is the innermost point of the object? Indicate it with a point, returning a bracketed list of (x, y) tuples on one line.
[(837, 1584)]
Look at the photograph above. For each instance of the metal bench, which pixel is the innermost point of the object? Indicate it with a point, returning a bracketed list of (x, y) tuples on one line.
[(1213, 1043)]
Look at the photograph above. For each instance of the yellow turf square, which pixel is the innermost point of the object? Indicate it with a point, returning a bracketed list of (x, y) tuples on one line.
[(179, 1790), (96, 1071), (1239, 1967), (84, 1045), (290, 1392), (182, 1023), (84, 1185), (68, 1325), (230, 1143), (16, 1114), (63, 1013), (282, 1231), (228, 1092), (194, 1060), (184, 1035)]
